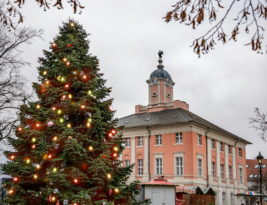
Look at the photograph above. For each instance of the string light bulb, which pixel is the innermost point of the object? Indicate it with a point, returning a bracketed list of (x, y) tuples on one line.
[(10, 191), (35, 176), (68, 63), (47, 82), (89, 119), (12, 157), (20, 129), (89, 92), (33, 146), (109, 176), (61, 120), (53, 198), (37, 124), (84, 77), (67, 86), (88, 124), (54, 108), (72, 24), (90, 148), (116, 190), (70, 96), (75, 204), (63, 97), (62, 79), (45, 72), (16, 179), (110, 108), (54, 44), (68, 125), (64, 59), (75, 181), (113, 131), (28, 161), (38, 106), (55, 138), (50, 156), (82, 106), (33, 139), (54, 169), (38, 166), (116, 149), (115, 155), (59, 111)]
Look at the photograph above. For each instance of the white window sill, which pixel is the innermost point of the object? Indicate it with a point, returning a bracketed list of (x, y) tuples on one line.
[(213, 149), (139, 175), (158, 145), (230, 154), (178, 175), (178, 144), (200, 145), (127, 147), (139, 146), (221, 151), (240, 157)]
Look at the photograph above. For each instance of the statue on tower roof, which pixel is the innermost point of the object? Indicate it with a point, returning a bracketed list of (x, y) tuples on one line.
[(160, 53)]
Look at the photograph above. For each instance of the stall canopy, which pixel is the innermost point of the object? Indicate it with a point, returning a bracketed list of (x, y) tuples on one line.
[(195, 190)]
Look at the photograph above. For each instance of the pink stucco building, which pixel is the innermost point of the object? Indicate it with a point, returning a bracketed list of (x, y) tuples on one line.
[(165, 138)]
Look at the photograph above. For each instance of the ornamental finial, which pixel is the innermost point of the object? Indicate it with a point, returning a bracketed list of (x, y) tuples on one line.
[(160, 66)]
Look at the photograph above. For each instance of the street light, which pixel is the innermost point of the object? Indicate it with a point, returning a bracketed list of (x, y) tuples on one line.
[(260, 158)]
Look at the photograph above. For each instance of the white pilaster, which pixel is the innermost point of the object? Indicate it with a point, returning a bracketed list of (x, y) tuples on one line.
[(132, 177), (146, 174), (234, 163), (159, 92), (209, 158), (218, 159), (149, 95), (226, 161)]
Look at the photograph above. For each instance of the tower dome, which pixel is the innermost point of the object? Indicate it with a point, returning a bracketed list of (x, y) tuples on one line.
[(160, 72)]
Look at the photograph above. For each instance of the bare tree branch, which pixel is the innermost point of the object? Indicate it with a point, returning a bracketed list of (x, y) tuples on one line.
[(193, 13), (259, 123)]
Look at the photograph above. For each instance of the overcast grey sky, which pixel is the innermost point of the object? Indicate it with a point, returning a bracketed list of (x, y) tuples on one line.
[(223, 87)]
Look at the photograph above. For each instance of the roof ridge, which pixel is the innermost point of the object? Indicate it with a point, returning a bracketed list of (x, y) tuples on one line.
[(185, 114)]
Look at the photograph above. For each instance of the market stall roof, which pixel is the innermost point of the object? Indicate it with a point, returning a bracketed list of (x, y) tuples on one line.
[(195, 189), (208, 191)]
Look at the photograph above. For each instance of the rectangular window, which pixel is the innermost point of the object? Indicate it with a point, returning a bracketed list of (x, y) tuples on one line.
[(221, 146), (127, 142), (229, 149), (179, 138), (230, 172), (239, 152), (158, 140), (213, 169), (199, 166), (240, 175), (179, 166), (232, 198), (140, 141), (213, 144), (127, 163), (140, 167), (221, 171), (159, 166), (223, 197), (199, 142)]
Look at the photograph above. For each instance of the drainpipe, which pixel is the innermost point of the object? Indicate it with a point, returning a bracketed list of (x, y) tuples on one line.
[(207, 156), (149, 177)]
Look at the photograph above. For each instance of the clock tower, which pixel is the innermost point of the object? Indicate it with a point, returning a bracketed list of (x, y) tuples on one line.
[(160, 91)]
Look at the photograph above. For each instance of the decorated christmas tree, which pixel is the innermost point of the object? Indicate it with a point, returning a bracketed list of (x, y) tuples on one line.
[(67, 145)]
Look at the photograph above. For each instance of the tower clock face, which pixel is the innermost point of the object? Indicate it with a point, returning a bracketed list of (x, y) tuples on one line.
[(169, 83), (154, 81)]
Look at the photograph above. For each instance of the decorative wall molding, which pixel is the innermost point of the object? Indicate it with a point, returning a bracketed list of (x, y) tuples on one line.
[(199, 154), (182, 152), (161, 153)]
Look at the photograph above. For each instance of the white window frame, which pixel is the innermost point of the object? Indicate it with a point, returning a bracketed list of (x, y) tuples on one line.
[(140, 141), (179, 138), (140, 166), (157, 156), (179, 166), (241, 177), (159, 169), (230, 172), (231, 198), (158, 140), (221, 171), (128, 142), (178, 155), (212, 143), (199, 140), (126, 164), (229, 149), (223, 197), (213, 169), (200, 168)]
